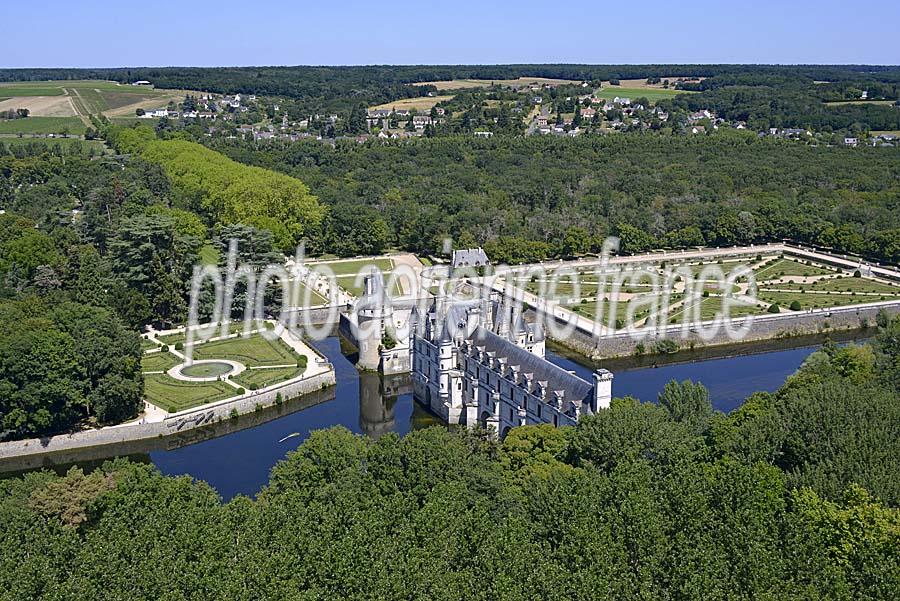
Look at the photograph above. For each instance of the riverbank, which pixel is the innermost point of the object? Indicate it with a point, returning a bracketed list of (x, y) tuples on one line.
[(172, 424), (713, 353)]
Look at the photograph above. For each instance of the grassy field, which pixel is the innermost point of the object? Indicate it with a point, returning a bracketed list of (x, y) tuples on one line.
[(420, 104), (844, 284), (42, 125), (352, 266), (85, 97), (711, 306), (260, 378), (253, 351), (589, 310), (176, 395), (786, 267), (814, 301), (348, 283), (158, 361), (886, 132), (651, 94), (206, 370), (31, 88)]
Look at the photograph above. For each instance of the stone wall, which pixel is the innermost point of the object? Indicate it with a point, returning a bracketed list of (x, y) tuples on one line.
[(763, 327), (173, 424)]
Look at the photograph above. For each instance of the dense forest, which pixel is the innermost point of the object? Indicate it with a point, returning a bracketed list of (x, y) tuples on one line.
[(530, 198), (667, 500)]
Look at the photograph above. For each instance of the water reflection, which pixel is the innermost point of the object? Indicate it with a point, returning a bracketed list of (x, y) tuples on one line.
[(235, 456)]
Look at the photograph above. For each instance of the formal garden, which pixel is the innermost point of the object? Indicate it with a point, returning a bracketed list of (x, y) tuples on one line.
[(220, 368), (784, 285)]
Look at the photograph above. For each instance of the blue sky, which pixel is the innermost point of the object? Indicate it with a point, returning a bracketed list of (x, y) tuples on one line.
[(95, 33)]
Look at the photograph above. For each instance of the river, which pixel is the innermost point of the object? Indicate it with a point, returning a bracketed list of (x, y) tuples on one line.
[(236, 457)]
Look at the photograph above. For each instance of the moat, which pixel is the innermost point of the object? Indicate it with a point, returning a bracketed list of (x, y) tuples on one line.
[(235, 456)]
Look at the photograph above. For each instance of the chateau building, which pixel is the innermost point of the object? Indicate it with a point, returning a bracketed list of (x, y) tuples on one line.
[(476, 363)]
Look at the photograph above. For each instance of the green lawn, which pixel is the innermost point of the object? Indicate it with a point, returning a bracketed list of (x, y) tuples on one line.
[(252, 351), (651, 94), (206, 370), (158, 361), (589, 310), (843, 284), (711, 306), (30, 89), (147, 344), (175, 395), (315, 297), (348, 283), (353, 266), (260, 378), (42, 125), (787, 267), (815, 301)]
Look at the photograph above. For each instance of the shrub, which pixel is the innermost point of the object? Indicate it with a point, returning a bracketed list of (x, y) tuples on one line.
[(774, 308), (302, 361), (179, 346), (795, 305), (234, 413), (241, 391), (857, 274), (258, 407), (165, 348), (639, 350), (666, 346), (278, 399)]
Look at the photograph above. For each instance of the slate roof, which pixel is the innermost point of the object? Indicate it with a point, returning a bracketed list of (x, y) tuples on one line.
[(543, 370)]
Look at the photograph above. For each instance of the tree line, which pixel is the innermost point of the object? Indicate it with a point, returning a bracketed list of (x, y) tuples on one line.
[(792, 496), (537, 197)]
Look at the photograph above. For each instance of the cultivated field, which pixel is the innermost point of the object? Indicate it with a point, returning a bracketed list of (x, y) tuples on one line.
[(84, 97), (42, 125), (420, 104), (41, 106)]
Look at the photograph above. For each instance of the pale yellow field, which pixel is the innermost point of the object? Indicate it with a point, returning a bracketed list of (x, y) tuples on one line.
[(41, 106), (420, 104)]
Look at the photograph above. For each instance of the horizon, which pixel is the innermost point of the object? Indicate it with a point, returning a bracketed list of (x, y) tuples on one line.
[(482, 64)]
